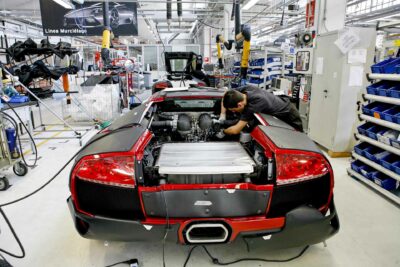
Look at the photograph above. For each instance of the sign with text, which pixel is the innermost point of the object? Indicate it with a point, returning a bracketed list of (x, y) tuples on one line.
[(87, 19)]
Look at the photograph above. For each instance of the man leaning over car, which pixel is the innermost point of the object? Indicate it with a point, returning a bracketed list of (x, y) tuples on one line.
[(248, 100)]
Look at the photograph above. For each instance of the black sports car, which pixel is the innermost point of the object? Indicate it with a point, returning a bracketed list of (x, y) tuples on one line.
[(160, 169), (92, 16)]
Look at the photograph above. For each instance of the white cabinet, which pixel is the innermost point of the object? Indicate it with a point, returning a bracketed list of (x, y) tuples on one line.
[(332, 117)]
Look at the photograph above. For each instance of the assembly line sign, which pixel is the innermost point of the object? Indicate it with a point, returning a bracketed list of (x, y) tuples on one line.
[(87, 19)]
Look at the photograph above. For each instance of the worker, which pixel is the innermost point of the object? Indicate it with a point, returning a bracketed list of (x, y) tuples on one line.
[(248, 100)]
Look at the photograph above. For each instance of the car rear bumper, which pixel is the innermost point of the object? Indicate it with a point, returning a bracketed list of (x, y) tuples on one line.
[(301, 226)]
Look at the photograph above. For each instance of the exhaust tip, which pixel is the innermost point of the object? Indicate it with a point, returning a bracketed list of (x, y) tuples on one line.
[(207, 233)]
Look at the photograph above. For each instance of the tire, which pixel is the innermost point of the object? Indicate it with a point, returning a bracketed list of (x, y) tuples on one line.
[(4, 184), (20, 169)]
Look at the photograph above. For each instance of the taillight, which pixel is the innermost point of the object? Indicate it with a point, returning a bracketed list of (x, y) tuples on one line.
[(298, 167), (108, 170)]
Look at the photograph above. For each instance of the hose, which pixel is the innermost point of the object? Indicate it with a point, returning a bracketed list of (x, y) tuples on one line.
[(161, 124)]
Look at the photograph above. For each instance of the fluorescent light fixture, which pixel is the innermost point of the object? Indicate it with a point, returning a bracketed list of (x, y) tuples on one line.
[(65, 3), (250, 4)]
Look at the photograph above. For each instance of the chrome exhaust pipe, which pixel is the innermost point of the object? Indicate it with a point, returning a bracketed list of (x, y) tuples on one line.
[(207, 233)]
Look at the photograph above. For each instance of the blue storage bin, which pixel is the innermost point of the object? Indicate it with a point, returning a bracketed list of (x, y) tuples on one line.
[(355, 165), (396, 167), (386, 66), (372, 89), (379, 109), (395, 143), (359, 149), (374, 130), (366, 109), (362, 129), (392, 114), (375, 153), (366, 171), (383, 90), (397, 69), (19, 99), (388, 161), (394, 92), (384, 181)]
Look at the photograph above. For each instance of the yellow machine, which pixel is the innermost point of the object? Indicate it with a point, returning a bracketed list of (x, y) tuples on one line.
[(106, 41), (242, 36)]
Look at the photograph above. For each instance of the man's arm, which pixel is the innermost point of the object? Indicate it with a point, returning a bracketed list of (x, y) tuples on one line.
[(236, 129)]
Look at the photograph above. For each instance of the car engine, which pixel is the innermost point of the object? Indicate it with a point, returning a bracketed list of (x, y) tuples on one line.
[(185, 150)]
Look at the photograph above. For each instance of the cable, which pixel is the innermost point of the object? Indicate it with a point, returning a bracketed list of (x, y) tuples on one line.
[(256, 15), (283, 13), (211, 26), (15, 236), (44, 185), (216, 261)]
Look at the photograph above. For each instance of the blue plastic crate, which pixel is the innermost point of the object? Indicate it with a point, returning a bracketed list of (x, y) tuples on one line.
[(384, 181), (19, 99), (386, 66), (373, 88), (392, 114), (374, 130), (396, 167), (388, 161), (395, 143), (366, 109), (362, 129), (394, 92), (359, 149), (397, 69), (384, 89), (375, 153), (355, 165), (366, 171), (379, 109)]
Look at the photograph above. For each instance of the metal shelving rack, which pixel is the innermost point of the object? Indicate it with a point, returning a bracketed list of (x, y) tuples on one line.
[(267, 52), (394, 126)]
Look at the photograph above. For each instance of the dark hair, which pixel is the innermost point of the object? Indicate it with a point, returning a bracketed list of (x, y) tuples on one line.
[(232, 98)]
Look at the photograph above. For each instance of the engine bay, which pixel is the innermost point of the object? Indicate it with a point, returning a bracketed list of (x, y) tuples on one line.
[(185, 149)]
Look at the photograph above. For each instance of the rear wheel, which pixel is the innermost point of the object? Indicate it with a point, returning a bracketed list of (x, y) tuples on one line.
[(4, 184)]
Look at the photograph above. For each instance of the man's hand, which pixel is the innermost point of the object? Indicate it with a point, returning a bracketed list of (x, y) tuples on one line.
[(236, 129)]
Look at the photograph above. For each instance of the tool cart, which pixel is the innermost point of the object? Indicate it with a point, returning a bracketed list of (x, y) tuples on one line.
[(7, 159)]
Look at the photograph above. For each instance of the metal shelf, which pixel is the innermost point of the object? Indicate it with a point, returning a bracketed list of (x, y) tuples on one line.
[(374, 186), (383, 99), (384, 123), (379, 144), (376, 166), (386, 77)]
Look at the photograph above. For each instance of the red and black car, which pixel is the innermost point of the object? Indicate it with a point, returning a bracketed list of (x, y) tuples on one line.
[(160, 169)]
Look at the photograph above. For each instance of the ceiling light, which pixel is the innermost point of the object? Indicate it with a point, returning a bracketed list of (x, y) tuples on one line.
[(65, 3), (250, 4)]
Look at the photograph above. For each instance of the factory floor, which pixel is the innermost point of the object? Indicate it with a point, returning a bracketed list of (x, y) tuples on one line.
[(369, 234)]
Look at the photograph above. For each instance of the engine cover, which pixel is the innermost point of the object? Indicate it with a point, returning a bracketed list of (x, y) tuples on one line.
[(212, 158)]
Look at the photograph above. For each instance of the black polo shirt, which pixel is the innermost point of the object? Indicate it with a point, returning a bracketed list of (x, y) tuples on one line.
[(261, 101)]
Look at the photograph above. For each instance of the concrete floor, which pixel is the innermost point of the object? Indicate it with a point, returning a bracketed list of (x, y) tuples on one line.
[(369, 234)]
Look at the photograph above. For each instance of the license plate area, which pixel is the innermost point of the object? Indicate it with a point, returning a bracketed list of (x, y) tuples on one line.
[(206, 203)]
